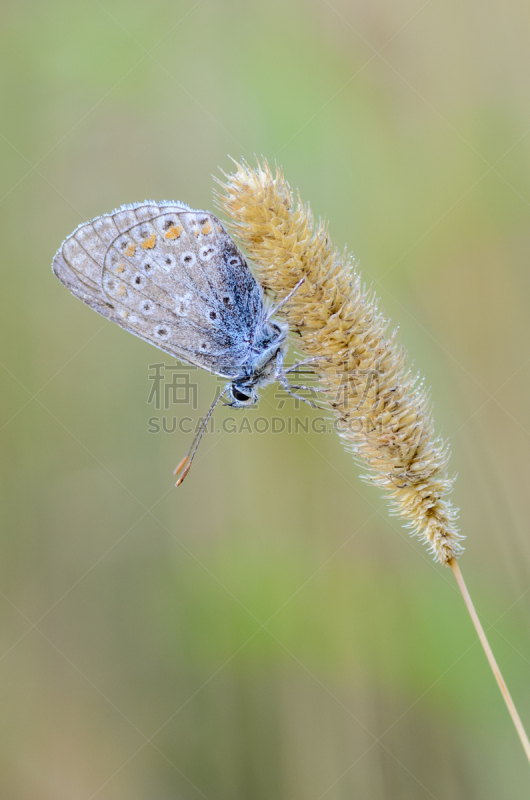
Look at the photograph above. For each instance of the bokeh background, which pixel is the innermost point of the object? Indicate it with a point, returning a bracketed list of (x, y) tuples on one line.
[(267, 630)]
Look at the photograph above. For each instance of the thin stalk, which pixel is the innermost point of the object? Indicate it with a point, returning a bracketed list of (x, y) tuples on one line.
[(453, 563)]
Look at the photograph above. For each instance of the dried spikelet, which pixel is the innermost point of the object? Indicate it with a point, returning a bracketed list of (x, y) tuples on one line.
[(382, 411)]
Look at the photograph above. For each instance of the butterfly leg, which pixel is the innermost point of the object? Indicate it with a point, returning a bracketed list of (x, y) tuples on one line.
[(301, 364), (288, 387), (286, 299)]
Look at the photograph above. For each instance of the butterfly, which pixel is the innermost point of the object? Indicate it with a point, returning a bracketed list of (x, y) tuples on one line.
[(173, 276)]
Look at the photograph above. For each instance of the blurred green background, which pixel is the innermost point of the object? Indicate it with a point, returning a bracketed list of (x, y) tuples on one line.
[(267, 630)]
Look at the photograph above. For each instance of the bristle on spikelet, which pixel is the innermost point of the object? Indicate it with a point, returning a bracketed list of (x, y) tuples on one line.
[(382, 412)]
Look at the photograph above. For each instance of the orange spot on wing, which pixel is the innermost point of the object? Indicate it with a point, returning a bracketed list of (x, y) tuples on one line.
[(120, 267), (149, 243), (206, 228), (122, 291), (130, 250), (174, 232)]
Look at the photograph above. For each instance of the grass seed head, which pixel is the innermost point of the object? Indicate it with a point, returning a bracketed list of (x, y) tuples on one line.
[(382, 410)]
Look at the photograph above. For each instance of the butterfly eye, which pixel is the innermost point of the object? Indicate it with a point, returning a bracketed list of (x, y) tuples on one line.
[(162, 332), (138, 280), (213, 315), (239, 396)]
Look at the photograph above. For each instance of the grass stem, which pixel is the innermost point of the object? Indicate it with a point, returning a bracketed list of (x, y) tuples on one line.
[(453, 563)]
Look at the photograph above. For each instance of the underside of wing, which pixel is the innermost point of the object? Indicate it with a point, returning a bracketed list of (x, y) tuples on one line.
[(171, 276)]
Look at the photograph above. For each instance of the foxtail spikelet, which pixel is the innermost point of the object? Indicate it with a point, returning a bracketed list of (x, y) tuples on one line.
[(382, 412)]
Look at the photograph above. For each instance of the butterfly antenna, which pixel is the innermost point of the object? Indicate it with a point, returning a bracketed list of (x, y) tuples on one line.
[(185, 464), (285, 299)]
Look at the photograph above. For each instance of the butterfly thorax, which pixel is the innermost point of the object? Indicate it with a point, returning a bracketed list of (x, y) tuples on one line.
[(263, 366)]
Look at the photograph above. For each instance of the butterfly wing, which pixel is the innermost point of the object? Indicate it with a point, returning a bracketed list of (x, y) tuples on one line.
[(170, 275)]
